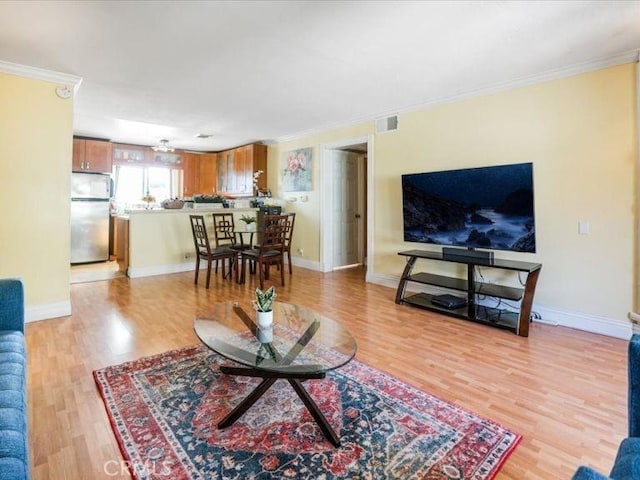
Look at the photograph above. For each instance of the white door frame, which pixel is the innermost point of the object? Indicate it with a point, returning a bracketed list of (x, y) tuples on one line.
[(326, 200)]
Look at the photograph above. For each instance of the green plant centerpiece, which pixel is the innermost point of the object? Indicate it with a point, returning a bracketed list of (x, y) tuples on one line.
[(264, 300), (248, 219), (263, 304)]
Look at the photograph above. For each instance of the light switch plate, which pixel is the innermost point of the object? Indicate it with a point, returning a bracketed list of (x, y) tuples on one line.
[(583, 228)]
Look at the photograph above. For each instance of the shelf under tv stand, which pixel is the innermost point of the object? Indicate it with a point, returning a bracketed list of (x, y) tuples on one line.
[(516, 322)]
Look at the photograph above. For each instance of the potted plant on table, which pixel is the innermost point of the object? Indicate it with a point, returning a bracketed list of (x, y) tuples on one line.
[(263, 304), (249, 220)]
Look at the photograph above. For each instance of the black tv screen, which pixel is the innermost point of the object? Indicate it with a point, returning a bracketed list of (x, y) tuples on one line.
[(486, 207)]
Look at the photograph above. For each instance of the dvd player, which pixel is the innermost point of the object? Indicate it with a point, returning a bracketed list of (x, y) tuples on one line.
[(450, 302)]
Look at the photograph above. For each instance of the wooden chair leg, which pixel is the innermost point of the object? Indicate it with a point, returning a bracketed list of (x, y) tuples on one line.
[(244, 268), (197, 269), (261, 268), (209, 272), (289, 258), (282, 270)]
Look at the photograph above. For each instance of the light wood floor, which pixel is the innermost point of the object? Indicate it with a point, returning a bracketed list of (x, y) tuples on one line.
[(562, 389)]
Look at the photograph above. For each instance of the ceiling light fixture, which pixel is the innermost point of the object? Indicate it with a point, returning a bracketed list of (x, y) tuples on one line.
[(163, 147), (203, 135)]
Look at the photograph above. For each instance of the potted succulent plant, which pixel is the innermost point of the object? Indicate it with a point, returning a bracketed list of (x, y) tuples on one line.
[(263, 304), (249, 220)]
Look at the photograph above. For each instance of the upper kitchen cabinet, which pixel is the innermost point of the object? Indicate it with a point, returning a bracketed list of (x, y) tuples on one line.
[(191, 173), (236, 168), (208, 172), (91, 156), (123, 154)]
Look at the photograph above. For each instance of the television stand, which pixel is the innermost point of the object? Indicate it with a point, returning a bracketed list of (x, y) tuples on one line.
[(516, 322)]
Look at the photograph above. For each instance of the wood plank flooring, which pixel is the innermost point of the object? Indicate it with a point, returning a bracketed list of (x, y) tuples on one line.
[(562, 389)]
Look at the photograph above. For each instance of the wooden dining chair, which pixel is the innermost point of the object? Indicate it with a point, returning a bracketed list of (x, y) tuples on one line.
[(205, 252), (271, 248), (223, 227), (287, 240)]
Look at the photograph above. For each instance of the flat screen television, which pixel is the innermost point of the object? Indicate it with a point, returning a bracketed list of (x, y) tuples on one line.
[(486, 207)]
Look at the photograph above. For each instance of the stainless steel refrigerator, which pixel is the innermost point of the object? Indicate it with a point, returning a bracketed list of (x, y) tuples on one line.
[(90, 210)]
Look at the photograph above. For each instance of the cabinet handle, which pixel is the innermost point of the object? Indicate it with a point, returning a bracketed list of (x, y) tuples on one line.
[(87, 165)]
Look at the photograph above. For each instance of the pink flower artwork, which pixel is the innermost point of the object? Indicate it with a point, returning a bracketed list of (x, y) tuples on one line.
[(297, 171)]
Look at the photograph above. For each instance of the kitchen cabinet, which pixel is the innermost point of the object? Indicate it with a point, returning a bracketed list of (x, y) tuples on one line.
[(128, 154), (91, 156), (236, 167), (208, 172), (124, 154), (191, 173)]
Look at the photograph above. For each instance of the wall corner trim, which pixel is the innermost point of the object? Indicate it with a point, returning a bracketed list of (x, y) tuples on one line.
[(40, 74), (33, 313)]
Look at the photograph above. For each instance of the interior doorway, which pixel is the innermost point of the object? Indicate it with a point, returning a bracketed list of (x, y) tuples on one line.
[(346, 170)]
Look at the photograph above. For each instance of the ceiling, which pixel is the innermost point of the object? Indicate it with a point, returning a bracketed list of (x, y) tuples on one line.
[(274, 70)]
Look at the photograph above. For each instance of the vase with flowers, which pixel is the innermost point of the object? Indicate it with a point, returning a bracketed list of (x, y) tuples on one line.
[(148, 199)]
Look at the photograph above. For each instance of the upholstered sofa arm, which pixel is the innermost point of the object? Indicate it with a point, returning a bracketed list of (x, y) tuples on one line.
[(634, 386), (586, 473), (11, 305)]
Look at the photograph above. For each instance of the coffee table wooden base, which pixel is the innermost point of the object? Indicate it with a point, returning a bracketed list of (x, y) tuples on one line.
[(295, 379)]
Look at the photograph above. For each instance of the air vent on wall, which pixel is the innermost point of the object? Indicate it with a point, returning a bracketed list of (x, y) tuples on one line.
[(387, 124)]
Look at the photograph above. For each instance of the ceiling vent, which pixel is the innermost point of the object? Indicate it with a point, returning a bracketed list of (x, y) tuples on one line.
[(387, 124)]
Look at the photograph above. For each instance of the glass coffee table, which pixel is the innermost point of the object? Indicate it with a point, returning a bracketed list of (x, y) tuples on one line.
[(300, 345)]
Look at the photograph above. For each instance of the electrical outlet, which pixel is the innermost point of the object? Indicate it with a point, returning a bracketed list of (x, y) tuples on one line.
[(301, 252)]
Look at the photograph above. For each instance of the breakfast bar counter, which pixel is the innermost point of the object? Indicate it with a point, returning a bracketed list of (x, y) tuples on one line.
[(159, 241)]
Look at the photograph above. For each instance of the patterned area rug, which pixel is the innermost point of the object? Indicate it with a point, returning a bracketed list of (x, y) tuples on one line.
[(164, 411)]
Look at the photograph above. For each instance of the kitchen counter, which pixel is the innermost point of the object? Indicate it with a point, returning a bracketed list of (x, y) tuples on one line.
[(191, 211), (160, 240)]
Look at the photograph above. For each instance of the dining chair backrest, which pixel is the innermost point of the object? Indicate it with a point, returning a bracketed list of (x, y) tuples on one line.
[(200, 236), (223, 227), (274, 232), (289, 233)]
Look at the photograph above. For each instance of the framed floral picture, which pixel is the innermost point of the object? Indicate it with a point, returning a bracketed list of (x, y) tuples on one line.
[(297, 171)]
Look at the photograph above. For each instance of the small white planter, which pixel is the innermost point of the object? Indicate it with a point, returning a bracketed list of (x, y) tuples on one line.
[(265, 335), (265, 319)]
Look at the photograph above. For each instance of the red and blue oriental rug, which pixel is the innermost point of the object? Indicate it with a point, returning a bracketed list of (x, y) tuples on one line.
[(164, 411)]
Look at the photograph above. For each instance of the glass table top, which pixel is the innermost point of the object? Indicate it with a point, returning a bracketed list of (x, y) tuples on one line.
[(299, 341)]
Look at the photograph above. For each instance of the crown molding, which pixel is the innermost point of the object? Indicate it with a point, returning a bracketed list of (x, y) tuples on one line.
[(41, 74), (631, 56)]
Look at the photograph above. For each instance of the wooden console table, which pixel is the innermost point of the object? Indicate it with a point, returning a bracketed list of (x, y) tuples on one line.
[(516, 322)]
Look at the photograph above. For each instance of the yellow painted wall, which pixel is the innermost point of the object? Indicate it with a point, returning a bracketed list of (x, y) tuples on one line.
[(580, 134), (161, 241), (306, 231), (36, 129)]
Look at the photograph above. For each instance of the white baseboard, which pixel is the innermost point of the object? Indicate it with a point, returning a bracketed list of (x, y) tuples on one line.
[(580, 321), (304, 263), (138, 272), (33, 313)]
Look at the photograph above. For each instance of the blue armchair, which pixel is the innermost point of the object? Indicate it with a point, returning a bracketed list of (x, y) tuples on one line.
[(627, 463), (14, 452)]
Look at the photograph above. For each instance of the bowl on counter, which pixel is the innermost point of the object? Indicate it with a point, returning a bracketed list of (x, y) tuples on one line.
[(172, 204)]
